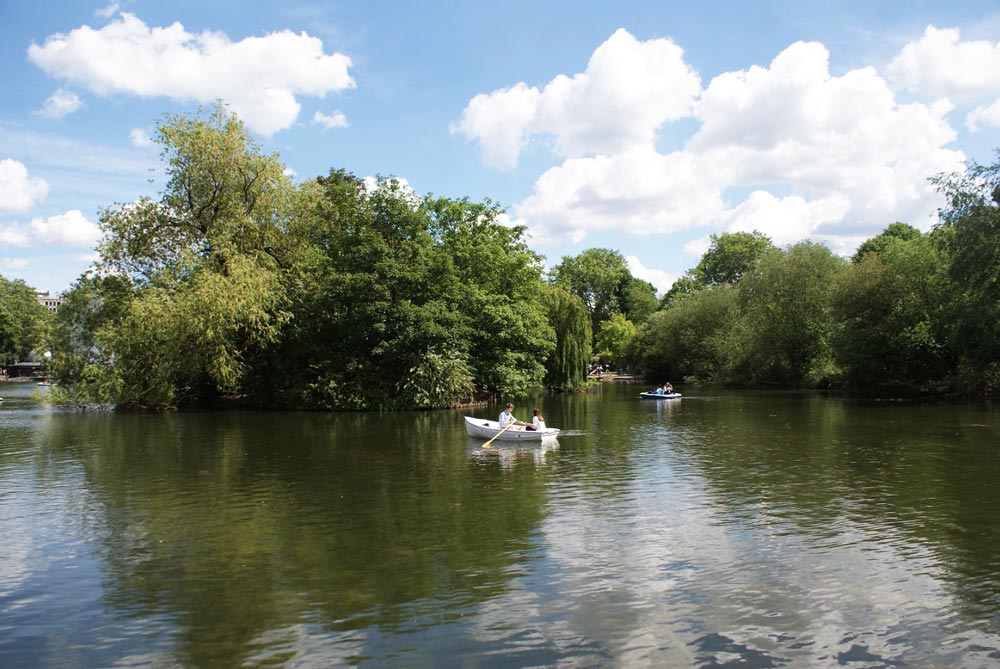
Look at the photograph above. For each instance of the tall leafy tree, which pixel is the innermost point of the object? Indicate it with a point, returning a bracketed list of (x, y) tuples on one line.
[(888, 307), (567, 365), (24, 323), (498, 289), (695, 338), (730, 257), (402, 301), (640, 300), (202, 262), (785, 316), (970, 229), (601, 278), (879, 243), (616, 334)]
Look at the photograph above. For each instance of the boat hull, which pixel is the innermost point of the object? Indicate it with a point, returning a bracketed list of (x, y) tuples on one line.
[(654, 396), (487, 429)]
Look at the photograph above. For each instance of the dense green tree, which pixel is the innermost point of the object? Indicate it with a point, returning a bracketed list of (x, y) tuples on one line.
[(970, 230), (685, 285), (599, 277), (400, 301), (497, 288), (640, 300), (785, 316), (613, 341), (888, 306), (879, 243), (567, 365), (203, 265), (24, 323), (80, 362), (692, 339), (730, 257)]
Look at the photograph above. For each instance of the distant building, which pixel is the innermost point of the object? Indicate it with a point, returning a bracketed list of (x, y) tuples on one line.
[(50, 302)]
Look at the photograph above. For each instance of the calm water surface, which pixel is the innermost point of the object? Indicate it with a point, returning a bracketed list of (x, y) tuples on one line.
[(727, 529)]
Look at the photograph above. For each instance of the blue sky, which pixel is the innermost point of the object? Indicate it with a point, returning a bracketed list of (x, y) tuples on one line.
[(639, 126)]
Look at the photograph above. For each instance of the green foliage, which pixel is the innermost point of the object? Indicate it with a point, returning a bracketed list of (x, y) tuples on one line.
[(567, 363), (436, 381), (614, 339), (693, 338), (888, 306), (640, 300), (82, 362), (24, 323), (682, 286), (399, 301), (730, 257), (970, 231), (880, 242), (201, 266), (785, 316), (601, 278)]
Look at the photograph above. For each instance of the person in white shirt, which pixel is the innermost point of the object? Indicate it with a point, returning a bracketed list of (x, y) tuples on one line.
[(538, 421), (507, 417)]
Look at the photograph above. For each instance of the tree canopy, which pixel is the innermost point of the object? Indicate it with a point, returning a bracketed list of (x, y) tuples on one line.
[(24, 323), (338, 293), (331, 294)]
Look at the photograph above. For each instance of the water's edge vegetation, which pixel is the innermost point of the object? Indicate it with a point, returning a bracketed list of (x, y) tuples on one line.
[(343, 294)]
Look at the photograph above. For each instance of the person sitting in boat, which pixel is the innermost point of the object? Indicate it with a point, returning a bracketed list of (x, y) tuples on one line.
[(507, 417), (667, 388), (537, 421)]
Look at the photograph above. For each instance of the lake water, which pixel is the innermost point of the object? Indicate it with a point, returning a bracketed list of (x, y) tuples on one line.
[(726, 529)]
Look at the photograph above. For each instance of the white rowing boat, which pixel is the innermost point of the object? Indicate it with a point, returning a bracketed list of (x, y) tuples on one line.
[(480, 427)]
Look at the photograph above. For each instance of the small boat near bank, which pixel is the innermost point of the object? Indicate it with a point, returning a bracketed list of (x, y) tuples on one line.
[(488, 429), (660, 396)]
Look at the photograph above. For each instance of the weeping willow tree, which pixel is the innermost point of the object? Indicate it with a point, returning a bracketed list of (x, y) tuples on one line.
[(569, 317), (188, 286)]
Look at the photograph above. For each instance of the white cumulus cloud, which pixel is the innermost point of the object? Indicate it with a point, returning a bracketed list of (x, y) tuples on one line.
[(69, 229), (941, 64), (638, 191), (259, 77), (10, 264), (19, 192), (795, 126), (335, 120), (785, 220), (787, 148), (984, 115), (660, 279), (60, 104), (139, 138), (628, 90)]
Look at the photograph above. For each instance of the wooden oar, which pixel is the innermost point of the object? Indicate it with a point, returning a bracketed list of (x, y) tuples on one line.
[(509, 425)]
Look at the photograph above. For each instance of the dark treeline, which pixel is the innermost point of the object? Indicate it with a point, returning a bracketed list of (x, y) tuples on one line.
[(909, 314), (24, 323), (342, 294), (335, 294)]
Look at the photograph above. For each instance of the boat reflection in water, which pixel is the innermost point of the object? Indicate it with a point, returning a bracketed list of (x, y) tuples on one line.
[(511, 453)]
